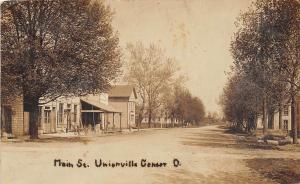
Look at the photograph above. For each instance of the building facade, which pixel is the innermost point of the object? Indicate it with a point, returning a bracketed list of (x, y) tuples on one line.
[(70, 113), (60, 115), (286, 123), (12, 118), (275, 124), (96, 111), (124, 98)]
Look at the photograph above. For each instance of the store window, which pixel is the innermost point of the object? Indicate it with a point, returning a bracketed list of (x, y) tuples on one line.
[(60, 113)]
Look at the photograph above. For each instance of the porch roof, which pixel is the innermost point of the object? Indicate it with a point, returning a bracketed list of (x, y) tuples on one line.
[(101, 106)]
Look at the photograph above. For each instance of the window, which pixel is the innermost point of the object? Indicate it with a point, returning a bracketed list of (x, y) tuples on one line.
[(47, 116), (60, 113), (47, 108), (286, 110), (75, 113), (131, 116), (285, 124), (131, 105)]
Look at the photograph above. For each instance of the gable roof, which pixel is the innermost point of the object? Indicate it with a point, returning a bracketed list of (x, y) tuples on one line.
[(122, 91)]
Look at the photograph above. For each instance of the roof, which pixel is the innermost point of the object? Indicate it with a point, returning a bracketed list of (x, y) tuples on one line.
[(102, 106), (122, 91)]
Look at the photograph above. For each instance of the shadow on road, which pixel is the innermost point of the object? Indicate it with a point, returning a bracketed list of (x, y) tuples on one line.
[(287, 170), (183, 176), (279, 170), (220, 138)]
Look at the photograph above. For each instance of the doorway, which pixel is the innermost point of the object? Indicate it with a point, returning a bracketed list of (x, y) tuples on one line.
[(6, 119)]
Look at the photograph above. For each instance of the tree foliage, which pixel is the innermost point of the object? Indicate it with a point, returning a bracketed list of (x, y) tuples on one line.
[(241, 102), (54, 48), (185, 107), (266, 51), (152, 73)]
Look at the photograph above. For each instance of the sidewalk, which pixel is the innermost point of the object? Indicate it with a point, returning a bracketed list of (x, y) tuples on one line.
[(72, 135)]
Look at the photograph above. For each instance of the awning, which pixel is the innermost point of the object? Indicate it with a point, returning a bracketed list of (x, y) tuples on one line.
[(101, 106)]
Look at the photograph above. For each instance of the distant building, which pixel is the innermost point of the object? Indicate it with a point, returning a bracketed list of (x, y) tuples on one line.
[(286, 124), (123, 97), (160, 122), (275, 124)]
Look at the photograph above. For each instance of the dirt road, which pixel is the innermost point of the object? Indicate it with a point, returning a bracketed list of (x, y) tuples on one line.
[(202, 155)]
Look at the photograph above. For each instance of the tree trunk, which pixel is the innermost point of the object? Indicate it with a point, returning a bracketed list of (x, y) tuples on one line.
[(294, 119), (140, 118), (264, 120), (255, 121), (280, 117), (149, 118), (33, 107), (139, 124), (172, 122), (271, 119)]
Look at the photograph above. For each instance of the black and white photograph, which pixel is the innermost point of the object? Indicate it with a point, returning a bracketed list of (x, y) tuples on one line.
[(150, 92)]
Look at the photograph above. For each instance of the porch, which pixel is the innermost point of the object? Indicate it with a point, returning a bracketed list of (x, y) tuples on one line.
[(95, 116)]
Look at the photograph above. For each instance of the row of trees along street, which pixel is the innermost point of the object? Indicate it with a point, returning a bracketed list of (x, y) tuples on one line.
[(68, 48), (160, 88), (266, 71)]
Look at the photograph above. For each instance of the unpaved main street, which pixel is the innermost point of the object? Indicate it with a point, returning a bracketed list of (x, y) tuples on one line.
[(206, 154)]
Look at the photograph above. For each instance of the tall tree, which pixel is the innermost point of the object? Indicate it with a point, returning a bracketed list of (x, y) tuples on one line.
[(241, 102), (169, 98), (151, 72), (265, 48), (285, 32), (56, 47)]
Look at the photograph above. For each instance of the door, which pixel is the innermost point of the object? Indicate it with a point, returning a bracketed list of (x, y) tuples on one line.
[(6, 120), (47, 120), (26, 123), (68, 118), (53, 120)]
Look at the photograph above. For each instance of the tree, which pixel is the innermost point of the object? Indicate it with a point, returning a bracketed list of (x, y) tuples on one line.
[(54, 48), (187, 108), (169, 97), (286, 36), (266, 48), (152, 73), (241, 102)]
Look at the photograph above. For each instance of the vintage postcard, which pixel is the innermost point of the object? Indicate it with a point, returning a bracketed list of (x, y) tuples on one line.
[(150, 91)]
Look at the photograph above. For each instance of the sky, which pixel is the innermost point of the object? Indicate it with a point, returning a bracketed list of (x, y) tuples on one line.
[(197, 33)]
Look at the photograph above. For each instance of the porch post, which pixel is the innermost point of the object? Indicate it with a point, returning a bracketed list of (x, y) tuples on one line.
[(113, 120), (106, 122), (94, 128), (120, 121)]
